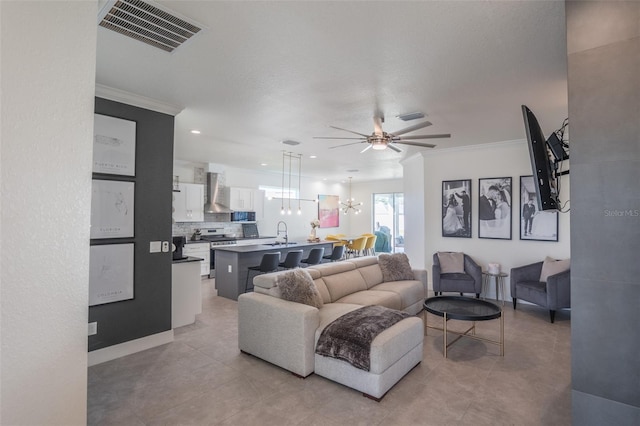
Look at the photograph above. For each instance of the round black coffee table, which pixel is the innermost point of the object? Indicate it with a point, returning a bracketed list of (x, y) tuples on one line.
[(464, 309)]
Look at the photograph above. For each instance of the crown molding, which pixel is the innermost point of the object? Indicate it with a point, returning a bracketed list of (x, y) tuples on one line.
[(128, 98)]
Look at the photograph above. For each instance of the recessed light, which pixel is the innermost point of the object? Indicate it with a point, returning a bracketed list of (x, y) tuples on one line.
[(263, 164), (410, 116), (290, 142), (313, 156), (195, 132)]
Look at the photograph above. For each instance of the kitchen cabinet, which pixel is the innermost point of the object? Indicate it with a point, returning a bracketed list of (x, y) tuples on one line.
[(201, 250), (188, 204), (241, 199)]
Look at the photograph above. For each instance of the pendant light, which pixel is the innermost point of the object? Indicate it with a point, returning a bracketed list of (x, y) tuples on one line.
[(350, 204)]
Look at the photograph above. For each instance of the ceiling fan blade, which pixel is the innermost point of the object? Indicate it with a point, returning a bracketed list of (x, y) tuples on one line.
[(408, 138), (350, 131), (424, 145), (412, 128), (393, 147), (377, 124), (366, 149), (331, 137), (347, 144)]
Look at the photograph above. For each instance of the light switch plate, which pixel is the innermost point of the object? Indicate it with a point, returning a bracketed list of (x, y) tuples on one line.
[(93, 328), (155, 247), (165, 246)]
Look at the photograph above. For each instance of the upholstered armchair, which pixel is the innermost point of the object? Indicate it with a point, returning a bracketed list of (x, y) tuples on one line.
[(553, 294), (467, 279)]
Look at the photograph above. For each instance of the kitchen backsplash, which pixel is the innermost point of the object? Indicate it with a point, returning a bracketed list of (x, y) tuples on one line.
[(187, 229)]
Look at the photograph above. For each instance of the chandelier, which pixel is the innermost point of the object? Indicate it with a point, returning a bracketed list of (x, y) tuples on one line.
[(350, 204)]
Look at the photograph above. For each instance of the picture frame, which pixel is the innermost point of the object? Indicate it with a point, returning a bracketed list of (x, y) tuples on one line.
[(494, 208), (112, 209), (328, 211), (114, 146), (456, 208), (535, 225), (111, 269)]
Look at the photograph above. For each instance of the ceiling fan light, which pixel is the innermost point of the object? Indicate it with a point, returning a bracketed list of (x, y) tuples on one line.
[(379, 145)]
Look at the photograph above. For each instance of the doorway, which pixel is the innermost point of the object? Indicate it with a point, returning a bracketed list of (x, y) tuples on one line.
[(388, 219)]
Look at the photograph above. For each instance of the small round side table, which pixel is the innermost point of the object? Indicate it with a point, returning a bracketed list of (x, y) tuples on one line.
[(499, 280)]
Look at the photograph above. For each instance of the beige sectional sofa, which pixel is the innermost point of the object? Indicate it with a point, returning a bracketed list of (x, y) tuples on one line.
[(285, 333)]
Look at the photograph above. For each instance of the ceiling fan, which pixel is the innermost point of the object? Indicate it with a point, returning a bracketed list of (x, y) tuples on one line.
[(380, 139)]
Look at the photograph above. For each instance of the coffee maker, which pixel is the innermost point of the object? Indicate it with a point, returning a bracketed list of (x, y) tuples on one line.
[(178, 244)]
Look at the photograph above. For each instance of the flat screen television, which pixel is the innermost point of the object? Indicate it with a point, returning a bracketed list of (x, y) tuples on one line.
[(541, 163)]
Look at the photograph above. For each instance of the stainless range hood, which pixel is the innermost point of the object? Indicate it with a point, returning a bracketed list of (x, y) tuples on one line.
[(214, 202)]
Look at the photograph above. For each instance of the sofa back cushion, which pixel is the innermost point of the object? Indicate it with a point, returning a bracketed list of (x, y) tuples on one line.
[(370, 270), (343, 284)]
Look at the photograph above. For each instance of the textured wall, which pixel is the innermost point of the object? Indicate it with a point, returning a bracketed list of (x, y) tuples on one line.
[(47, 125), (150, 310), (603, 42)]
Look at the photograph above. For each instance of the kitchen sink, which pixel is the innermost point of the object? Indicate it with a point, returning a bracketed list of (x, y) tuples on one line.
[(280, 244)]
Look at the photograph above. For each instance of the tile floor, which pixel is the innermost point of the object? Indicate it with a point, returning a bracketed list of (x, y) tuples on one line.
[(202, 379)]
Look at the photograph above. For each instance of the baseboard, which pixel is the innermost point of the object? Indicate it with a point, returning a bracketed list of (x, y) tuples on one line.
[(127, 348)]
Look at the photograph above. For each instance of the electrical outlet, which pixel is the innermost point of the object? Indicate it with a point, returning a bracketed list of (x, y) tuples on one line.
[(93, 328), (165, 246), (229, 268)]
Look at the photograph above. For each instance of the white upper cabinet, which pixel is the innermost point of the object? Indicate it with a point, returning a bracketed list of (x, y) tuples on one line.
[(241, 199), (188, 204)]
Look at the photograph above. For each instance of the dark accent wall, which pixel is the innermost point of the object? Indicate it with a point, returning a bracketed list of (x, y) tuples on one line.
[(603, 45), (149, 312)]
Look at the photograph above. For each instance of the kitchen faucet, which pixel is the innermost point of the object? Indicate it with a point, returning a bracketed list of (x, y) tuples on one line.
[(286, 234)]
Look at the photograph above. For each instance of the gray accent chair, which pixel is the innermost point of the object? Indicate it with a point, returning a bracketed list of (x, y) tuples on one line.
[(469, 282), (554, 294)]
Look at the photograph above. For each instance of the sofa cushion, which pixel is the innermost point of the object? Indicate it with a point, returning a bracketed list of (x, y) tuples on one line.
[(388, 299), (297, 286), (459, 277), (395, 267), (451, 262), (410, 292), (551, 266), (372, 275), (343, 284)]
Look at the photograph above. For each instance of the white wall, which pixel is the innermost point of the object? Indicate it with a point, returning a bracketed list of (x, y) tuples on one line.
[(48, 83), (502, 159), (363, 192)]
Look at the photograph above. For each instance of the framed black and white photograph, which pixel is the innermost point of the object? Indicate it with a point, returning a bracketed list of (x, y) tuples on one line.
[(535, 225), (110, 273), (456, 208), (112, 209), (494, 208), (114, 146)]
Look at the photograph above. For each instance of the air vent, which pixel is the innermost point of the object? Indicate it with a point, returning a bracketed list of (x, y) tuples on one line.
[(410, 116), (290, 142), (148, 23)]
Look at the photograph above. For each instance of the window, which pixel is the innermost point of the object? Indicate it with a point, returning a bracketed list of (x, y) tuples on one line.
[(388, 217)]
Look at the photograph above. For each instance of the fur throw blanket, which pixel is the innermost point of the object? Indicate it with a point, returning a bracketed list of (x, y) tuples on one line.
[(349, 337)]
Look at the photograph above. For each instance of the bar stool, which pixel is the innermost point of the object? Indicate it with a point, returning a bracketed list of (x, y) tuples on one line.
[(336, 254), (315, 257), (269, 263), (292, 260)]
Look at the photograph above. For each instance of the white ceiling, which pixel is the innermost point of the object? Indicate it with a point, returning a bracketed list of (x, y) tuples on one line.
[(268, 71)]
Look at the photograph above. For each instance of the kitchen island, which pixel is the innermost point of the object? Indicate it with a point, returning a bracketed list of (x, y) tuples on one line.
[(232, 262)]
